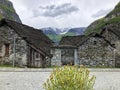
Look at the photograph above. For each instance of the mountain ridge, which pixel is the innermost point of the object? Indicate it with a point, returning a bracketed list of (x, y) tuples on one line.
[(7, 11), (112, 17), (56, 34)]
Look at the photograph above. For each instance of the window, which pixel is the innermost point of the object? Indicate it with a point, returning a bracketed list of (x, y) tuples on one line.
[(7, 49)]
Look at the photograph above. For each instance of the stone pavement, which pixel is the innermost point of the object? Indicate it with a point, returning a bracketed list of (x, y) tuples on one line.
[(32, 79)]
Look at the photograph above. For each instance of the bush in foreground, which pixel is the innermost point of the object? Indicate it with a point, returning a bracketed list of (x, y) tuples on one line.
[(70, 78)]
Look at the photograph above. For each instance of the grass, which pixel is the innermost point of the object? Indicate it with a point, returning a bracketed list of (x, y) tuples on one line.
[(116, 9), (9, 10), (8, 66), (1, 16), (95, 67), (6, 8), (52, 67), (57, 38), (101, 24)]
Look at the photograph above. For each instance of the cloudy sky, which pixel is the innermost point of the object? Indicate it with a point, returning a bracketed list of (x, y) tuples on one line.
[(62, 13)]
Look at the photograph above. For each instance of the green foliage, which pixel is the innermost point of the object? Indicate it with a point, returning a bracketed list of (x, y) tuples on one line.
[(7, 66), (96, 29), (113, 20), (116, 10), (57, 38), (117, 6), (9, 11), (101, 24), (1, 16), (70, 78), (6, 8)]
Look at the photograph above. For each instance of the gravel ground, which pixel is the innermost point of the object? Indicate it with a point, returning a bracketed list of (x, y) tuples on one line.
[(22, 80), (34, 80), (107, 80)]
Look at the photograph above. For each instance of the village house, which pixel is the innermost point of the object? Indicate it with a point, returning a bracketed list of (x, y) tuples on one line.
[(92, 51), (21, 45), (111, 32)]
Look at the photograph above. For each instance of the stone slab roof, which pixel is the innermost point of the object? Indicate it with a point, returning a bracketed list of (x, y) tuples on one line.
[(79, 40), (34, 37)]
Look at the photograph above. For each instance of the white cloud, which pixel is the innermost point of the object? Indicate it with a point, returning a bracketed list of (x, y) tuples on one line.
[(60, 17), (55, 10), (101, 13)]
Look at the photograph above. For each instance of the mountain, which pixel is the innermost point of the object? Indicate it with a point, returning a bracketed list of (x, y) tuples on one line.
[(112, 18), (7, 11), (56, 34), (48, 30), (77, 31), (57, 31)]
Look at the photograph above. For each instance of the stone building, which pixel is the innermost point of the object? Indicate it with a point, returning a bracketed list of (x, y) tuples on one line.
[(63, 55), (93, 50), (111, 32), (21, 45)]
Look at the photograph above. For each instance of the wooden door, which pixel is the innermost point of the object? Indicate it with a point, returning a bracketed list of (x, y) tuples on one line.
[(7, 50), (38, 60)]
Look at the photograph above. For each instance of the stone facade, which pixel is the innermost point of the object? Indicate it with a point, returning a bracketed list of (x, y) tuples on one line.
[(96, 52), (12, 48), (115, 40), (56, 59), (15, 51), (21, 45), (35, 59), (63, 56), (67, 56)]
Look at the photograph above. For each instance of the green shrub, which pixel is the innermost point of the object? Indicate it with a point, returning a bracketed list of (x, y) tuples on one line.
[(70, 78)]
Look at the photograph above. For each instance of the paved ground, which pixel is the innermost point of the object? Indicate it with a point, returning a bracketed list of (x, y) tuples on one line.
[(32, 79), (22, 80), (107, 80)]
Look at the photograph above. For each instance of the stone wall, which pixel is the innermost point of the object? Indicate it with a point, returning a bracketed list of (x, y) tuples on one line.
[(8, 36), (110, 37), (62, 56), (94, 52), (97, 53), (67, 56), (114, 39), (56, 59)]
